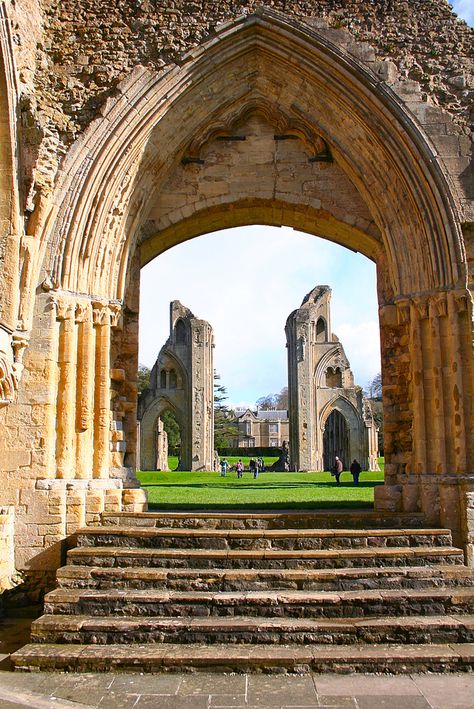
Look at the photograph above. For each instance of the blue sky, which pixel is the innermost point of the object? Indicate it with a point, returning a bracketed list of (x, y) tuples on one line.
[(465, 10), (248, 281)]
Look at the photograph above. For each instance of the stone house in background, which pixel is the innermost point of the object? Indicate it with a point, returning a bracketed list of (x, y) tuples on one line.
[(261, 428), (329, 415), (181, 381)]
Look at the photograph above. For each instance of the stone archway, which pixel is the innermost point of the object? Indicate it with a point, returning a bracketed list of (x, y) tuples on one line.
[(336, 440), (270, 121)]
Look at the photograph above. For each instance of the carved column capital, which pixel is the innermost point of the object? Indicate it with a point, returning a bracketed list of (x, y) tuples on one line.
[(115, 310), (461, 301), (439, 305), (403, 311), (100, 313), (83, 311), (65, 307), (421, 305)]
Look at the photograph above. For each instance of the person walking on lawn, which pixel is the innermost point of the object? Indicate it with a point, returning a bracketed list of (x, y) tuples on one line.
[(355, 471), (337, 469), (239, 468)]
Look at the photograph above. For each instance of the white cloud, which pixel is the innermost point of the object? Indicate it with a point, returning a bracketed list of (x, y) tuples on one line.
[(246, 282)]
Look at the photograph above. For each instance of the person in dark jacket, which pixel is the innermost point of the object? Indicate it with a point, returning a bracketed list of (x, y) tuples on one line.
[(355, 471)]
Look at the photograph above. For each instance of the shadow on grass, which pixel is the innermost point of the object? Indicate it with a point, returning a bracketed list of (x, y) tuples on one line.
[(263, 507), (261, 486)]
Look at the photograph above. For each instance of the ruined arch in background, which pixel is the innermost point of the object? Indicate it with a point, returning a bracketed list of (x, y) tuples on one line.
[(186, 360), (348, 440), (277, 125)]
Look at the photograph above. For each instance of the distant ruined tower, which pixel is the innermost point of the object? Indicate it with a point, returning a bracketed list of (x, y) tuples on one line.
[(328, 413), (182, 381)]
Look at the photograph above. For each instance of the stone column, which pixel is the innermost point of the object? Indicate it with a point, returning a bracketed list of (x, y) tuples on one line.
[(66, 399), (101, 320), (428, 369), (85, 391)]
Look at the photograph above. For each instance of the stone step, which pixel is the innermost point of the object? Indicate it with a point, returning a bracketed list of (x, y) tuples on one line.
[(110, 556), (317, 519), (156, 657), (72, 576), (291, 604), (251, 539), (109, 630)]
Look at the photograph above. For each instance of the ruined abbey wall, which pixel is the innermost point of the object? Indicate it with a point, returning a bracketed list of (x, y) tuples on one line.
[(127, 127)]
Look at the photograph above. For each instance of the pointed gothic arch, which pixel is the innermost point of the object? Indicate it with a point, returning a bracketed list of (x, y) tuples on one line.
[(224, 112)]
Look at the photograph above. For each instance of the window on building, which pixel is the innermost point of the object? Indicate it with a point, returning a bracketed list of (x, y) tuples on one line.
[(274, 442), (321, 331), (180, 333), (273, 428), (173, 379), (333, 377), (163, 379)]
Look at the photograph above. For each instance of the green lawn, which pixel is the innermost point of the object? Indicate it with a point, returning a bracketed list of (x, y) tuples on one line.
[(183, 490)]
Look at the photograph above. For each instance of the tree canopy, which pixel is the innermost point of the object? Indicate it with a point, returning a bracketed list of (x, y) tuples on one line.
[(225, 425), (144, 374), (274, 401)]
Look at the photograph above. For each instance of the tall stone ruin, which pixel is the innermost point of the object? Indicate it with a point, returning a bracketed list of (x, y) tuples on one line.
[(329, 415), (182, 381)]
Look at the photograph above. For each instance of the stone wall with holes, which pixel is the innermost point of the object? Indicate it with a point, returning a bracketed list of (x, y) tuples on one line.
[(72, 57), (89, 47)]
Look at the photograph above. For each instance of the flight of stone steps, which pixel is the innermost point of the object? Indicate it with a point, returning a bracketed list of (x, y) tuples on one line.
[(326, 591)]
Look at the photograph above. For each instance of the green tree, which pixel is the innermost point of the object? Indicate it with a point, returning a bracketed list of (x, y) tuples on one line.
[(225, 423), (374, 393), (171, 426), (374, 388), (274, 401), (144, 374), (281, 399)]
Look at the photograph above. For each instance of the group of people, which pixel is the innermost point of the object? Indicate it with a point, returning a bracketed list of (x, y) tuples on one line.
[(256, 465), (338, 468)]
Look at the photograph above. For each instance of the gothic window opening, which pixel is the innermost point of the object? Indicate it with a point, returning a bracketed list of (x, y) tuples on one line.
[(333, 377), (173, 379), (336, 440), (180, 333), (321, 330)]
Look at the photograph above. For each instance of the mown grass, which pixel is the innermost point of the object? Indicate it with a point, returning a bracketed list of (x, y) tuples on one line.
[(208, 491)]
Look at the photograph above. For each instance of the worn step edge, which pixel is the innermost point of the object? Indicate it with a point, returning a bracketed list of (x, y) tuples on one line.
[(436, 574), (74, 624), (147, 596), (266, 553), (277, 514), (248, 519), (257, 533), (242, 658)]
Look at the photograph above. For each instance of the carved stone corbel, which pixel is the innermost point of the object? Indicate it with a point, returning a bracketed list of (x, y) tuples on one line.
[(12, 348), (8, 383)]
